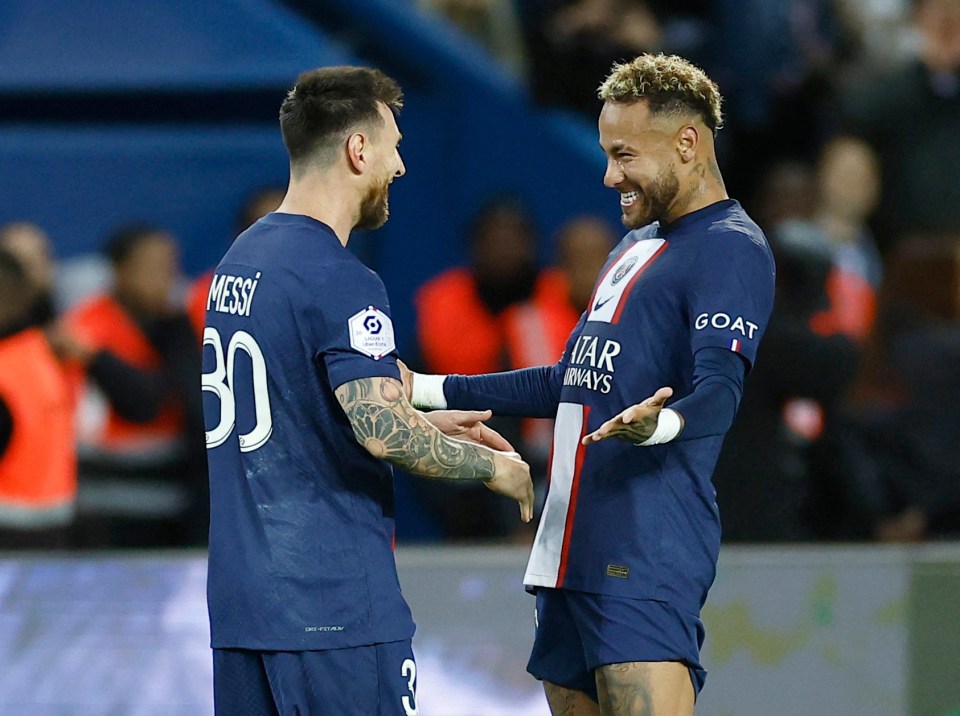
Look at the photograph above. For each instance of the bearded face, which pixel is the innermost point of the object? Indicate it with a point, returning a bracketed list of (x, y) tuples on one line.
[(644, 206), (375, 207)]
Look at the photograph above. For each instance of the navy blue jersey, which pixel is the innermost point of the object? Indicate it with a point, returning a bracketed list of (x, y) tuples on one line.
[(633, 521), (301, 522)]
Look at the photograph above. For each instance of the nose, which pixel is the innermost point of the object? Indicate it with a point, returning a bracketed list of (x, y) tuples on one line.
[(401, 168), (613, 174)]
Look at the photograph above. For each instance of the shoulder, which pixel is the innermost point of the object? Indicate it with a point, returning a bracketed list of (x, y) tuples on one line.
[(737, 235)]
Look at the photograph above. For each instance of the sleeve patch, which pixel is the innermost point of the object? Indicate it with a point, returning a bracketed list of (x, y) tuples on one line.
[(371, 332)]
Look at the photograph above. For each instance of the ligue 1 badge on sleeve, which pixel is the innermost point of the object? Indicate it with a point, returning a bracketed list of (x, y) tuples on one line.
[(371, 332)]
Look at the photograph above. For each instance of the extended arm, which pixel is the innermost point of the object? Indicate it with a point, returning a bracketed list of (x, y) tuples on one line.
[(391, 429), (529, 392), (717, 389)]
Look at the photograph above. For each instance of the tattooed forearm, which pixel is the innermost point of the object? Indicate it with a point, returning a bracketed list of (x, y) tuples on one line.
[(390, 428)]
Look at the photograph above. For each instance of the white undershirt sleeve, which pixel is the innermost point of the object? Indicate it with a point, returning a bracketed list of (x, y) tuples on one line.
[(669, 425), (428, 392)]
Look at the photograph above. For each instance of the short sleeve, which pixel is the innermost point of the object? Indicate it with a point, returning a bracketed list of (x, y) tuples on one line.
[(358, 340), (731, 298)]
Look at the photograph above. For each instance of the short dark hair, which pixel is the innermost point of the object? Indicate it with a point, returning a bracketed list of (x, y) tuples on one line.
[(327, 102), (125, 240)]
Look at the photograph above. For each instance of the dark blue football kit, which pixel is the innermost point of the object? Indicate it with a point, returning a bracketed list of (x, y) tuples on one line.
[(628, 539), (301, 527)]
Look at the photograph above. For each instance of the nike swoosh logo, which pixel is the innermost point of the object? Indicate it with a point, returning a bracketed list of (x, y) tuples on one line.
[(601, 303)]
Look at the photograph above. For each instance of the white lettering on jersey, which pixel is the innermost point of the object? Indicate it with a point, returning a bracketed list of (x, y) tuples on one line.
[(723, 321), (232, 294), (611, 290), (371, 332), (587, 366)]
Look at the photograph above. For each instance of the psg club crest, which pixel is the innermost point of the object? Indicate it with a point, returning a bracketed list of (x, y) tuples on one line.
[(371, 332), (623, 270)]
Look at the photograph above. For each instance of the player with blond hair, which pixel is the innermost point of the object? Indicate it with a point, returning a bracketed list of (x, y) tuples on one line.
[(628, 541)]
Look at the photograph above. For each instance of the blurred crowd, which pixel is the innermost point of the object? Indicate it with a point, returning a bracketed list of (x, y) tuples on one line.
[(101, 420), (842, 140)]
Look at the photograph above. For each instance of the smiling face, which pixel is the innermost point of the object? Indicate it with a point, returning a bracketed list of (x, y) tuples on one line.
[(641, 161), (386, 165)]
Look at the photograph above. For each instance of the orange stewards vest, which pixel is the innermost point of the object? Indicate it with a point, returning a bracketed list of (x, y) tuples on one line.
[(103, 324), (38, 471), (197, 302), (457, 334), (853, 307)]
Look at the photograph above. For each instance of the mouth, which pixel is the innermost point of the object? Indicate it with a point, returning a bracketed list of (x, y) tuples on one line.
[(629, 198)]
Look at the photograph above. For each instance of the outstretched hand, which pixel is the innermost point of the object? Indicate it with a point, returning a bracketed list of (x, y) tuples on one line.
[(634, 424), (468, 425)]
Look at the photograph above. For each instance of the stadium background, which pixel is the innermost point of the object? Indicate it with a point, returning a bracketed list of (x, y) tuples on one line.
[(166, 111)]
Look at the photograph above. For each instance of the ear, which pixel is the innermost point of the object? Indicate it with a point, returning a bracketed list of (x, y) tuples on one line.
[(688, 140), (356, 146)]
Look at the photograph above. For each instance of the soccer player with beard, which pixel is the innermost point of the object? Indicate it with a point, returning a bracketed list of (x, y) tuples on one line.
[(304, 410), (628, 541)]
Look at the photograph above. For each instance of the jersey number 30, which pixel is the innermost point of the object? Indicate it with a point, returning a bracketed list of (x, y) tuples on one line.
[(221, 383)]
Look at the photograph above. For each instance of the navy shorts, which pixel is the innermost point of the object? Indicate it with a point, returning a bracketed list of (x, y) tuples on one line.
[(578, 631), (375, 680)]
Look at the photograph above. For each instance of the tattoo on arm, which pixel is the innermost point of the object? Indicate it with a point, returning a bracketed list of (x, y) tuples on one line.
[(393, 430)]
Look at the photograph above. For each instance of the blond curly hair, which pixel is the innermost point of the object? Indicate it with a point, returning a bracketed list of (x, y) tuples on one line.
[(669, 84)]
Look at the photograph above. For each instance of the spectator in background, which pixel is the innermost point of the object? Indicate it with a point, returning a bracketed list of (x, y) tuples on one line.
[(31, 246), (258, 205), (140, 437), (786, 192), (912, 117), (848, 190), (38, 471)]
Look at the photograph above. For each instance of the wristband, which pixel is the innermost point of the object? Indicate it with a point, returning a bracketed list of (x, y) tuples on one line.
[(669, 425), (427, 393)]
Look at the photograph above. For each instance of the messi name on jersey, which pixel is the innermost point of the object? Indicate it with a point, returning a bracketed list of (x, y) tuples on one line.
[(232, 294), (591, 364)]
